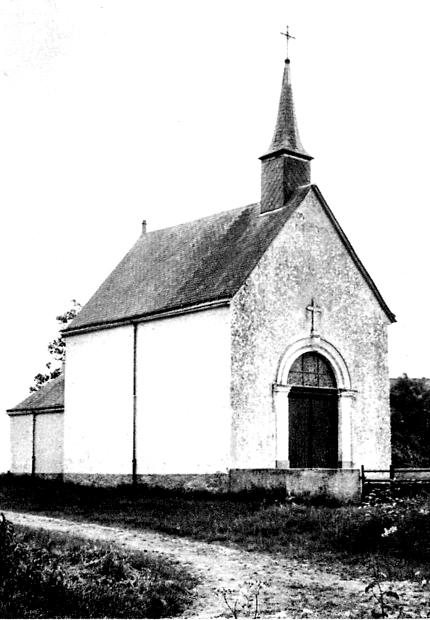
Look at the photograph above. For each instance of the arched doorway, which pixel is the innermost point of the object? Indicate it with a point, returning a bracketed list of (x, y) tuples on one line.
[(320, 388), (313, 413)]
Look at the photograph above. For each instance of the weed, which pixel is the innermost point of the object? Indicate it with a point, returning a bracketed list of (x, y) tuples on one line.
[(243, 601)]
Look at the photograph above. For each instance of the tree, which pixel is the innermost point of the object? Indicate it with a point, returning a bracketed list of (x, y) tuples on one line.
[(410, 422), (57, 349)]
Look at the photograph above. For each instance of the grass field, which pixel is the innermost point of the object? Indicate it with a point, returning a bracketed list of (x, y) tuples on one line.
[(49, 575), (351, 535)]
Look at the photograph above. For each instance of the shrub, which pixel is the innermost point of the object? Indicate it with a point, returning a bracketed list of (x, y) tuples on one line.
[(410, 422)]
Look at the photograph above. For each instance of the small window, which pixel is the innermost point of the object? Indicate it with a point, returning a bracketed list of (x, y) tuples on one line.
[(311, 370)]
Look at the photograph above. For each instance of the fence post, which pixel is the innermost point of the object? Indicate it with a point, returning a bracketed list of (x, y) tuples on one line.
[(391, 478), (363, 480)]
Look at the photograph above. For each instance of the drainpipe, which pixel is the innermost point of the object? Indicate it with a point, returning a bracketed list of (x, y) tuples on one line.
[(33, 448), (134, 460)]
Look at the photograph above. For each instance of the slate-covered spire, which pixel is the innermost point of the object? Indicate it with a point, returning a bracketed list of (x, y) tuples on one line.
[(286, 164), (286, 137)]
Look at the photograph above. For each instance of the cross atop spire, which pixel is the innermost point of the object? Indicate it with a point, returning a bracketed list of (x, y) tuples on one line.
[(288, 37)]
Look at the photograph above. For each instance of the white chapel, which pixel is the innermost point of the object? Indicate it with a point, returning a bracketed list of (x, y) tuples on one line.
[(226, 349)]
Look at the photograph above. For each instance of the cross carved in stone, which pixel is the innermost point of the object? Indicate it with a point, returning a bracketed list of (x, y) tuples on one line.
[(314, 310)]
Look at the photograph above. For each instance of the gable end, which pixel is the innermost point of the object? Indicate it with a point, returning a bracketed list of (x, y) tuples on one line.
[(391, 317)]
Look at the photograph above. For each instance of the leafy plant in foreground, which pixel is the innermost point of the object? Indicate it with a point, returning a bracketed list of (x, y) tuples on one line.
[(382, 596)]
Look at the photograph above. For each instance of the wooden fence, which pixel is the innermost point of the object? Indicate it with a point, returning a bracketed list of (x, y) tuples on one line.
[(393, 477)]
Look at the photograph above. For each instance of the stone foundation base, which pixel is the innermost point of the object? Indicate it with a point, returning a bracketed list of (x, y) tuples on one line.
[(340, 484), (28, 475), (212, 483), (50, 476), (98, 480)]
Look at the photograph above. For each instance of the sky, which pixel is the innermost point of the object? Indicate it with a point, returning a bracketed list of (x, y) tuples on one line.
[(117, 111)]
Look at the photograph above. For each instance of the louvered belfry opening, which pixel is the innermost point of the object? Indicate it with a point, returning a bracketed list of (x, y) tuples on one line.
[(313, 413)]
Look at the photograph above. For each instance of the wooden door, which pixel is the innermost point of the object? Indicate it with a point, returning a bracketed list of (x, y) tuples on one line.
[(313, 428)]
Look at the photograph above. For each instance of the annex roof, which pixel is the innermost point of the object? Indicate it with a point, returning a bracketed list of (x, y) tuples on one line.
[(200, 262), (48, 399)]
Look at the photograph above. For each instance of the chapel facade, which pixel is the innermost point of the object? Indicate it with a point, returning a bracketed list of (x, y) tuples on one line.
[(253, 340)]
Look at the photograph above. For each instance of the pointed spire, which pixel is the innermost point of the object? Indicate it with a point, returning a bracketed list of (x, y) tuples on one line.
[(286, 164), (286, 137)]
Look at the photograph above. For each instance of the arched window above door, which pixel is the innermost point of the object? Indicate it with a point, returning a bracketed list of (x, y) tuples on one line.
[(311, 370)]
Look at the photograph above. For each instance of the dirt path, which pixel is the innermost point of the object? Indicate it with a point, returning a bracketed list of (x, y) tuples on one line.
[(294, 589)]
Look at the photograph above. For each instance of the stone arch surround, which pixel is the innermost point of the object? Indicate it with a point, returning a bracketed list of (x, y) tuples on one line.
[(314, 345), (281, 392)]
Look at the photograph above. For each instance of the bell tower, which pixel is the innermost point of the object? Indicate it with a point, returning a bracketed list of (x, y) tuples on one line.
[(286, 165)]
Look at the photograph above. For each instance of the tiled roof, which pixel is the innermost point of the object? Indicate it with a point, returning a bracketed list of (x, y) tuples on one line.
[(50, 397), (195, 263)]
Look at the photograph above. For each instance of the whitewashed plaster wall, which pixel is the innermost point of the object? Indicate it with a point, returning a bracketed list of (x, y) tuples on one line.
[(21, 441), (183, 396), (98, 425), (48, 438), (49, 443)]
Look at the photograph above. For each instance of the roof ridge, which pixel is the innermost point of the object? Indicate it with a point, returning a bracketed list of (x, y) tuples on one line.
[(202, 219)]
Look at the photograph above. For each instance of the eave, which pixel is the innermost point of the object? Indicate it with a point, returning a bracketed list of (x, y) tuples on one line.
[(35, 411), (143, 318)]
